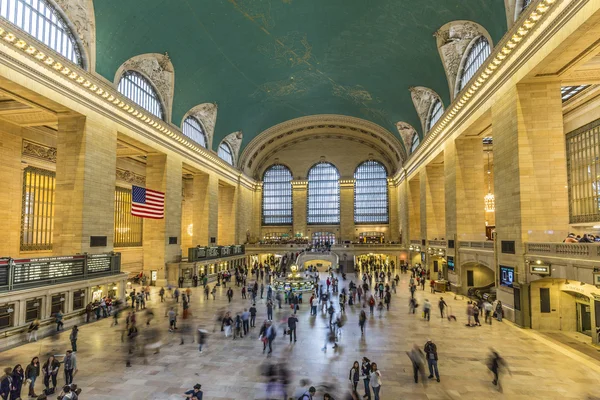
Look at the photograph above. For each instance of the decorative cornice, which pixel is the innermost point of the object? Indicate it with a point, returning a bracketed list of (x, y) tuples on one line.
[(40, 151), (423, 99), (206, 113), (130, 177)]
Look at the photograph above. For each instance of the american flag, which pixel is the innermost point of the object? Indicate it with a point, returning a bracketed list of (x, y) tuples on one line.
[(147, 203)]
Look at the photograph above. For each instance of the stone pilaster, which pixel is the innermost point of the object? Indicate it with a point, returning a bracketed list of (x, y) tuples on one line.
[(299, 195), (404, 211), (227, 215), (12, 176), (244, 214), (85, 184), (346, 210), (206, 208), (433, 219), (393, 213), (163, 174), (414, 209)]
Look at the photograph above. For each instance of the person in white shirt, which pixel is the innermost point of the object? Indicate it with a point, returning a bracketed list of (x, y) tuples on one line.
[(375, 380)]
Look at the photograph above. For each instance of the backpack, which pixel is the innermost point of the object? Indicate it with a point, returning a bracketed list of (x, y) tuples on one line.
[(371, 301), (304, 396)]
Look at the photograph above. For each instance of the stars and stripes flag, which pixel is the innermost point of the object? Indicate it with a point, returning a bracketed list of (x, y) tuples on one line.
[(147, 203)]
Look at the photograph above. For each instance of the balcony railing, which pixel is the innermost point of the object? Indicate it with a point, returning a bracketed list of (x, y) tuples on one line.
[(207, 253), (438, 243), (477, 245), (572, 250)]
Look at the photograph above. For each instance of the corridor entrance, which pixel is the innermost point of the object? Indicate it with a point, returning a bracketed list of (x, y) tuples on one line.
[(584, 318)]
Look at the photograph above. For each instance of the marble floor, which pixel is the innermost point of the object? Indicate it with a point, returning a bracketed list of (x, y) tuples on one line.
[(231, 369)]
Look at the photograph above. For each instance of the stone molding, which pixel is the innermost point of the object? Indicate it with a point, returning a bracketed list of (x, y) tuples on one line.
[(423, 99), (80, 15), (130, 177), (159, 70), (453, 41), (206, 113), (406, 132), (40, 151)]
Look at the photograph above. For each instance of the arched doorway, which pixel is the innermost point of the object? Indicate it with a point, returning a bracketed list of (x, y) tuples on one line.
[(477, 279)]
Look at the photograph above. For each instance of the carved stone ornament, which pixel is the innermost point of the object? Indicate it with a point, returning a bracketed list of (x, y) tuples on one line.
[(130, 177), (234, 140), (160, 71), (423, 98), (206, 113), (453, 39), (40, 151), (406, 132), (80, 13)]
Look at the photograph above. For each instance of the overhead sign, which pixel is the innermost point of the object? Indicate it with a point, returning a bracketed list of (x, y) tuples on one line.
[(539, 269)]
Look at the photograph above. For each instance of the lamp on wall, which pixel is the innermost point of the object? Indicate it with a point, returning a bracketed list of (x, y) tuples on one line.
[(489, 199)]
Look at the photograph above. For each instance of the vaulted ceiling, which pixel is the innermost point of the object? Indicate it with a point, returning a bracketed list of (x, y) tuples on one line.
[(267, 61)]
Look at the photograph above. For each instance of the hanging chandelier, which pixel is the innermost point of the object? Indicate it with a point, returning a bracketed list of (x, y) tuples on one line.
[(489, 199)]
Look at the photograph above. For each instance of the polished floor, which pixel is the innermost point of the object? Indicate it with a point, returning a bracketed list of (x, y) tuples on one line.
[(231, 369)]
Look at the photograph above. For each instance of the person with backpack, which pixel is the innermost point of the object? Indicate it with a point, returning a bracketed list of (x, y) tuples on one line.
[(6, 383), (292, 321), (271, 335), (354, 375), (432, 359), (362, 320), (371, 304), (308, 395), (50, 371), (195, 393)]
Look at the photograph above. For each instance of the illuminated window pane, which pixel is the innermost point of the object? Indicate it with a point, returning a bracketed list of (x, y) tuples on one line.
[(323, 239), (477, 55), (277, 196), (415, 143), (42, 21), (437, 110), (37, 219), (128, 228), (323, 194), (138, 89), (567, 92), (370, 194), (225, 153), (193, 129)]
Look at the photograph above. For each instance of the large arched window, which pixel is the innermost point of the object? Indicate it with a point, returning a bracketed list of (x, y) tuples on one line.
[(225, 153), (437, 110), (479, 51), (139, 89), (277, 196), (45, 23), (415, 143), (192, 128), (370, 194), (323, 194)]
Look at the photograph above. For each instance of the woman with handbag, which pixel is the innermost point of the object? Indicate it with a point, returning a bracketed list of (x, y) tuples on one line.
[(354, 376), (31, 373), (50, 370)]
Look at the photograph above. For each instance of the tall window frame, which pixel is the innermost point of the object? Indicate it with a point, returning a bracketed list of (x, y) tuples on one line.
[(277, 204), (474, 58), (193, 129), (568, 92), (323, 195), (37, 209), (128, 228), (371, 204), (139, 89), (46, 23), (414, 143), (436, 112), (225, 153)]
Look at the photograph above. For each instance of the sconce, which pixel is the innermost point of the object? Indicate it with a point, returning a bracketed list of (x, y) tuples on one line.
[(9, 310), (62, 299)]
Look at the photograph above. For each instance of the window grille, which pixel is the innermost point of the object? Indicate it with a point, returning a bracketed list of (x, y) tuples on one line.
[(476, 56), (415, 143), (192, 128), (225, 153), (583, 173), (370, 194), (138, 89), (277, 196), (128, 228), (437, 110), (323, 238), (57, 303), (42, 21), (37, 215), (33, 310), (7, 313), (78, 299), (323, 194), (568, 92)]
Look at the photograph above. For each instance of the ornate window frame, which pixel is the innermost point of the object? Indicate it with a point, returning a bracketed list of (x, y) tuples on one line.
[(139, 88), (474, 57), (435, 113), (225, 153), (192, 128), (371, 193), (316, 201), (281, 191)]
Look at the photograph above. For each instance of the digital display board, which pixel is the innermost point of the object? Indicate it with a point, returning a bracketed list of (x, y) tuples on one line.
[(450, 263), (99, 263), (37, 269), (507, 276)]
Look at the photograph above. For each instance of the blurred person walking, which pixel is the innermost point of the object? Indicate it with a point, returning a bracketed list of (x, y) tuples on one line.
[(417, 359), (496, 364)]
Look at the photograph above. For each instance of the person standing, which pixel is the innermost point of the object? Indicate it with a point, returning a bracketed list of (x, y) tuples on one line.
[(487, 308), (201, 339), (18, 377), (476, 315), (172, 319), (31, 373), (50, 371), (5, 383), (442, 305), (292, 321), (262, 290), (426, 309), (253, 316), (362, 320), (246, 321), (499, 311), (70, 363), (270, 310), (73, 337), (206, 291), (432, 359), (375, 380), (366, 373), (354, 376), (230, 294), (161, 293), (309, 394)]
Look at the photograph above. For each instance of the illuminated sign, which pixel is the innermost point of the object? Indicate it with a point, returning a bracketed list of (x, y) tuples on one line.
[(539, 269)]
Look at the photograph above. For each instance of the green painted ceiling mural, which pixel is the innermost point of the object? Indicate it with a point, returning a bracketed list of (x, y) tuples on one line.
[(267, 61)]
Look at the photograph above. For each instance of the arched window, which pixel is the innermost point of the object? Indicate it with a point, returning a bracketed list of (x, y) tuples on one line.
[(323, 194), (193, 129), (139, 89), (225, 153), (479, 51), (525, 4), (437, 110), (415, 143), (370, 194), (277, 196), (45, 23)]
